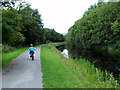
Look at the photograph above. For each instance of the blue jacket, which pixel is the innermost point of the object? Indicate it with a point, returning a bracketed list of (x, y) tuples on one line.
[(31, 48)]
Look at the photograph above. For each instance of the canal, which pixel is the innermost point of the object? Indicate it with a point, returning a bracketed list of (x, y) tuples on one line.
[(112, 68)]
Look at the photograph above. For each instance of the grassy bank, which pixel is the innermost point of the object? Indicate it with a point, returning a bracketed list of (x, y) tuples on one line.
[(7, 57), (60, 72)]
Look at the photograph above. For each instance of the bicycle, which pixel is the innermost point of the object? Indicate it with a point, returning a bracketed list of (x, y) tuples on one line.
[(32, 55)]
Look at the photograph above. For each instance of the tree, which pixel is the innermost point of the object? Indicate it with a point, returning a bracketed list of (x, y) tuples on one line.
[(32, 24), (10, 29)]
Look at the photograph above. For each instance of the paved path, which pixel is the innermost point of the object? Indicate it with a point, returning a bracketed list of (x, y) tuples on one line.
[(22, 72)]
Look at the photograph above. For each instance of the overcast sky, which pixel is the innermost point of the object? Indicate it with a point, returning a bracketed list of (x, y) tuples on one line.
[(61, 14)]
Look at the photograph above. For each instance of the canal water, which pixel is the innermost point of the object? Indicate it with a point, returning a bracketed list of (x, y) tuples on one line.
[(63, 50), (115, 70)]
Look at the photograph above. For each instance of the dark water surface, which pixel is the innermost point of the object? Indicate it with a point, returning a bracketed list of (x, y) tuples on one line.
[(111, 66)]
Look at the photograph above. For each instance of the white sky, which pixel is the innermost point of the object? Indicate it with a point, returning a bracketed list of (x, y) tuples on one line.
[(61, 14)]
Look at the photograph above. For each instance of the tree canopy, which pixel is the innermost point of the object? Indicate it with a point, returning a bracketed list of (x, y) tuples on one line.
[(23, 25)]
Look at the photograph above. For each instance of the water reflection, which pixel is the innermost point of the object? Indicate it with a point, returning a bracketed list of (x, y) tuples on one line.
[(63, 49), (65, 53)]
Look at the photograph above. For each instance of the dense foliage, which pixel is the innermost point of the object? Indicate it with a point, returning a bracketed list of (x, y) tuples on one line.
[(23, 25), (97, 32)]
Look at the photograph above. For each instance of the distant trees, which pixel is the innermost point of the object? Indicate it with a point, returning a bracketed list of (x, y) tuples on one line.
[(23, 26), (98, 30), (53, 36)]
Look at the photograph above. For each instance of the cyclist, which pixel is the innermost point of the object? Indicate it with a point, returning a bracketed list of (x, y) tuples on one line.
[(31, 50)]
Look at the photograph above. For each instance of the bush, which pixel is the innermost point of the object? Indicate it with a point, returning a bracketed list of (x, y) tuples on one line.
[(7, 48)]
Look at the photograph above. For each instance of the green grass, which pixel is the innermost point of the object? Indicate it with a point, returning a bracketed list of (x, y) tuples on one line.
[(7, 57), (54, 73), (60, 72)]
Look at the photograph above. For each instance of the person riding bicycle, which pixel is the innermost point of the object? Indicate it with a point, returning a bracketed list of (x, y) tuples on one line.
[(31, 50)]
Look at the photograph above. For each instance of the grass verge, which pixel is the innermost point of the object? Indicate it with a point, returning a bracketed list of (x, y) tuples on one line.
[(7, 57), (60, 72)]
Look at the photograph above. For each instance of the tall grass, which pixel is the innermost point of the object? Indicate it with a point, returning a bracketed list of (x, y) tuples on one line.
[(93, 75)]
